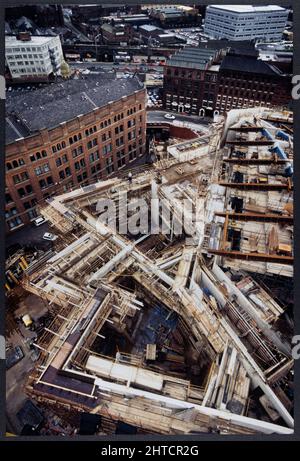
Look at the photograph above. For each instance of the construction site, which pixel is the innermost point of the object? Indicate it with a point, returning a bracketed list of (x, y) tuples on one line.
[(171, 332)]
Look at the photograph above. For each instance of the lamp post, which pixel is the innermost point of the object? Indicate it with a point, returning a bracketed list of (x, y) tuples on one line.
[(95, 39)]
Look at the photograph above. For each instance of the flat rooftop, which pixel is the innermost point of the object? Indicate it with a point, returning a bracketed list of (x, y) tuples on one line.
[(248, 8), (11, 40), (246, 64), (27, 112)]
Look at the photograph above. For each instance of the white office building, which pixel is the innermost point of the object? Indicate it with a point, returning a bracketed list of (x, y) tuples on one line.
[(245, 22), (33, 58)]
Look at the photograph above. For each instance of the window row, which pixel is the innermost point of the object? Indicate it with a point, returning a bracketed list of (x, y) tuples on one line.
[(38, 156), (75, 138), (14, 164), (20, 177), (59, 146), (42, 169), (60, 160)]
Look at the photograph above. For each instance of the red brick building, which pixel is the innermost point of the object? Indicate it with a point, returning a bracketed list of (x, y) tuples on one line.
[(116, 33), (200, 81), (245, 81), (66, 135), (190, 80)]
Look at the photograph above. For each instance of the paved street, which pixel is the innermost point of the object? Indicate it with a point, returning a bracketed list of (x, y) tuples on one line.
[(192, 122), (98, 65), (28, 235)]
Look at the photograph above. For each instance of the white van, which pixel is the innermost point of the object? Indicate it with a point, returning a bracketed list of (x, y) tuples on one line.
[(39, 221)]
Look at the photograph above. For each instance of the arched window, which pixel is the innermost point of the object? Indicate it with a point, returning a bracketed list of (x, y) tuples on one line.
[(8, 166)]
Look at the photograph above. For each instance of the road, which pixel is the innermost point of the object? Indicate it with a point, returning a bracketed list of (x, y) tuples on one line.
[(184, 120), (28, 235), (77, 32), (98, 65)]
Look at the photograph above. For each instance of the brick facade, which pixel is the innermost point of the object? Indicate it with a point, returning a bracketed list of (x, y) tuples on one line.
[(77, 152), (241, 89), (201, 92)]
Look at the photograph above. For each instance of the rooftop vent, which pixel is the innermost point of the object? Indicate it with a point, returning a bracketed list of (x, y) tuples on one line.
[(24, 36)]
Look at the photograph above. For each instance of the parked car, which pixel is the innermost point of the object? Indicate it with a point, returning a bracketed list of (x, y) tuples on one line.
[(39, 221), (48, 236), (169, 116)]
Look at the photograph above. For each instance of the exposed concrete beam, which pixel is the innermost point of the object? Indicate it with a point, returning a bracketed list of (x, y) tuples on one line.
[(253, 256), (256, 161), (256, 186), (265, 217)]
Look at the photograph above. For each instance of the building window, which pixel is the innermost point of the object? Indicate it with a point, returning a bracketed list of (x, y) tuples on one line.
[(24, 176), (42, 169), (21, 192), (92, 143), (80, 164), (131, 123), (131, 135), (120, 141), (15, 222), (75, 138), (68, 171), (28, 189), (41, 154), (94, 156), (90, 131), (110, 165), (121, 158), (106, 136), (8, 198), (107, 149), (15, 164), (32, 214), (96, 168), (77, 151), (16, 179), (42, 183), (132, 154), (11, 212)]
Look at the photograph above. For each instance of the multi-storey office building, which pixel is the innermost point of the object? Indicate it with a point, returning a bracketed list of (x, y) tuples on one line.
[(69, 134), (245, 22), (33, 58), (201, 81)]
